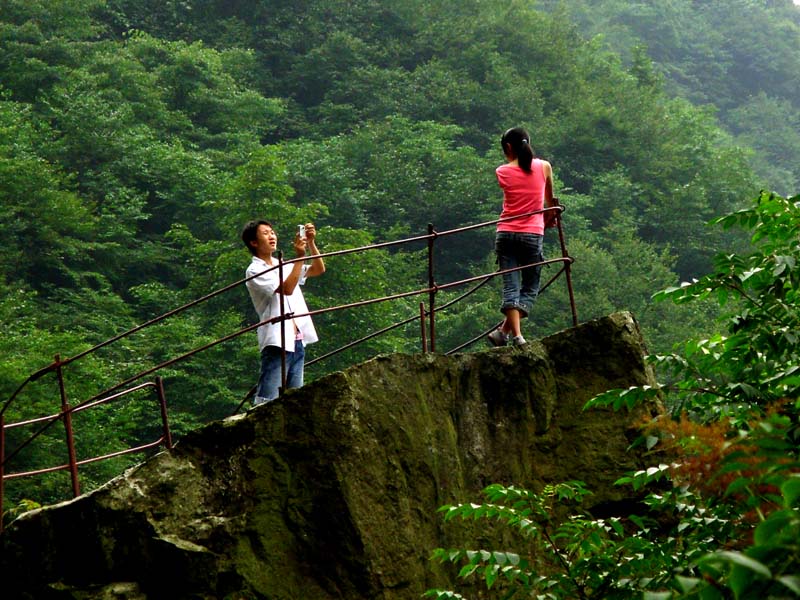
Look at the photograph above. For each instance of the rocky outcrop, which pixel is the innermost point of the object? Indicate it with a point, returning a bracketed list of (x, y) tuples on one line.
[(331, 492)]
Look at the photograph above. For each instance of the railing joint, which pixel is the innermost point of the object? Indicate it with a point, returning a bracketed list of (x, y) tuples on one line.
[(45, 370), (279, 318)]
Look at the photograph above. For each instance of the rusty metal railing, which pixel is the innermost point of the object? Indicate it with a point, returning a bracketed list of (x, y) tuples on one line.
[(427, 317), (65, 416)]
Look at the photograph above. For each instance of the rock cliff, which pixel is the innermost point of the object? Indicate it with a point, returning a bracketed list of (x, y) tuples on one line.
[(331, 492)]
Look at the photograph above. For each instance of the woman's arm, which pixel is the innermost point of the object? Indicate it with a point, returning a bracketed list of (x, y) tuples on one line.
[(547, 169)]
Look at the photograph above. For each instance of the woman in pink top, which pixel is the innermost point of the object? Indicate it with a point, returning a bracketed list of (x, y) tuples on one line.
[(527, 185)]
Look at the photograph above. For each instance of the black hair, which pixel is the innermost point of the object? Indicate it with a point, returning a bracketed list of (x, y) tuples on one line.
[(250, 231), (520, 143)]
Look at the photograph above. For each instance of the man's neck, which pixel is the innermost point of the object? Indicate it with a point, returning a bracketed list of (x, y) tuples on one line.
[(266, 257)]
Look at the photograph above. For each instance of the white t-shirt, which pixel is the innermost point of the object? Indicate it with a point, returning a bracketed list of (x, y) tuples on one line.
[(268, 305)]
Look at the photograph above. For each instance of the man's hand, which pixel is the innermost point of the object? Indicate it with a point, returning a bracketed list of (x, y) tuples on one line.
[(317, 264), (300, 244)]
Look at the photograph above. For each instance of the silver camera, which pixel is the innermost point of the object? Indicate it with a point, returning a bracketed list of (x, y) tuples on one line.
[(301, 231)]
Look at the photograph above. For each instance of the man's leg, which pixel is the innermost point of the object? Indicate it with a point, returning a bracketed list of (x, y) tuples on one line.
[(269, 381), (295, 364)]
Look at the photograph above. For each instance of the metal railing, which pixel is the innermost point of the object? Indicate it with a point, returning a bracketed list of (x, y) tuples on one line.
[(427, 317), (65, 416)]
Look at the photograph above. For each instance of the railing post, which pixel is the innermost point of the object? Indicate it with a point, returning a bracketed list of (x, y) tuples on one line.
[(66, 414), (2, 464), (162, 402), (422, 327), (431, 287), (567, 268), (282, 323)]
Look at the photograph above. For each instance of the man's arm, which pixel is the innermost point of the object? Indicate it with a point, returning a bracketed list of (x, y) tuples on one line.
[(301, 247), (293, 278), (317, 264)]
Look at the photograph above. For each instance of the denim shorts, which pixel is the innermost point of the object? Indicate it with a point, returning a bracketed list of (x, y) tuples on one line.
[(521, 287)]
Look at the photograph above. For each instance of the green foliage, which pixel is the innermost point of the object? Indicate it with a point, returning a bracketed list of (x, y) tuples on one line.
[(683, 546), (754, 363), (574, 556), (38, 209), (771, 126), (757, 554), (743, 60), (353, 278), (729, 531), (378, 177)]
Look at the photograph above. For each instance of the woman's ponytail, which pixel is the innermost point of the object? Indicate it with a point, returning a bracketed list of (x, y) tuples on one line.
[(520, 143)]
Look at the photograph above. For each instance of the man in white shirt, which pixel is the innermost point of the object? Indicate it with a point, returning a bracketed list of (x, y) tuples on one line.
[(267, 292)]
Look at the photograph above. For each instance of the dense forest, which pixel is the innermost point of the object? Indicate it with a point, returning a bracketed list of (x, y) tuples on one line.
[(737, 59), (138, 136)]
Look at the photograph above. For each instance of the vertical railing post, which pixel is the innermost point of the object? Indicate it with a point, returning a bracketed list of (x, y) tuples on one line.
[(162, 402), (431, 287), (2, 464), (282, 323), (422, 327), (567, 266), (66, 415)]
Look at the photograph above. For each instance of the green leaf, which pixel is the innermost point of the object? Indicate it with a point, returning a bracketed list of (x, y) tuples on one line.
[(790, 581), (442, 595), (490, 574), (467, 570), (737, 485), (687, 584), (711, 593), (791, 491), (739, 559), (777, 526)]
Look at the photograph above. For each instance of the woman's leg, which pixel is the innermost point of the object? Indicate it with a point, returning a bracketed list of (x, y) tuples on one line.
[(531, 276), (509, 249), (511, 325), (507, 259)]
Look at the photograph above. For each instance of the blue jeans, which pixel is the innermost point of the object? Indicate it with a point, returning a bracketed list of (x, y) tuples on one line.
[(269, 381), (520, 288)]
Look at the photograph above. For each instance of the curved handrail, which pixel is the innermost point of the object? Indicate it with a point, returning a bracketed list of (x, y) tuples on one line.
[(52, 366), (432, 288), (433, 235)]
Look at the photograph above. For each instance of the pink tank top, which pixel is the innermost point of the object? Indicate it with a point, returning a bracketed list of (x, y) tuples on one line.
[(522, 193)]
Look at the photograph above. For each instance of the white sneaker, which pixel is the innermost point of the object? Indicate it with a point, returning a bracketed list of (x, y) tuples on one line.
[(518, 340), (497, 338)]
